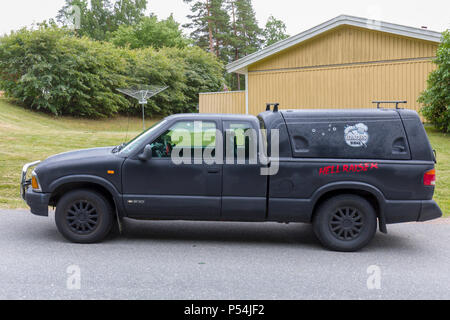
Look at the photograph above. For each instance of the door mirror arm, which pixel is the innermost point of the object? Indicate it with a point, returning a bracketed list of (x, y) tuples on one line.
[(147, 154)]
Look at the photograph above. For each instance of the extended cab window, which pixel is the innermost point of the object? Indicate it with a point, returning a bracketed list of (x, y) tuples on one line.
[(195, 135), (241, 140)]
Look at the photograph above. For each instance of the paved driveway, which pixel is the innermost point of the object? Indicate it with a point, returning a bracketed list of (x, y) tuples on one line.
[(184, 260)]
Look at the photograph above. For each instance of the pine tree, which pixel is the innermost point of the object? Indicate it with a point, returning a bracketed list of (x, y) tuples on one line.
[(210, 25), (246, 34), (201, 24), (221, 25), (247, 27)]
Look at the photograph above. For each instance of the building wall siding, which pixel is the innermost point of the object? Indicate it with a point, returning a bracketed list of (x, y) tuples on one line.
[(346, 45), (223, 102), (354, 86), (347, 67)]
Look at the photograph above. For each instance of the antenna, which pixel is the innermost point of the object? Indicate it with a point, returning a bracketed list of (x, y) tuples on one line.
[(142, 94)]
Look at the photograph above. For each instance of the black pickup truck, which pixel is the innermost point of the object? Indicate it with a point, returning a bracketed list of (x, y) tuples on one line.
[(344, 171)]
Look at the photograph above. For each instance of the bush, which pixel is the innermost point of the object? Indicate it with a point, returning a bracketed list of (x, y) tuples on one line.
[(48, 69), (436, 98), (203, 73), (51, 70)]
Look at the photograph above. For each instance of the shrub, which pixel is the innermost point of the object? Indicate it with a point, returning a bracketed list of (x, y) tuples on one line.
[(203, 73), (51, 70), (436, 98), (48, 69)]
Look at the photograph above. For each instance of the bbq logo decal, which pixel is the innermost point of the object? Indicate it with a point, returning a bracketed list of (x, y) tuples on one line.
[(357, 136)]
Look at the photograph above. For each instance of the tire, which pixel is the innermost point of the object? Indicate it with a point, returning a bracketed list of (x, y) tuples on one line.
[(84, 216), (345, 223)]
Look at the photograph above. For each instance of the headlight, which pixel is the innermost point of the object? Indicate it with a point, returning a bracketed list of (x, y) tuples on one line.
[(35, 182)]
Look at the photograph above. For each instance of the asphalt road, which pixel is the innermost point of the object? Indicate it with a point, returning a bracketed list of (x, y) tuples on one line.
[(184, 260)]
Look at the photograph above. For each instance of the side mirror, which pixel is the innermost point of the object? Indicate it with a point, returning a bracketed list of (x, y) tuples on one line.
[(147, 154)]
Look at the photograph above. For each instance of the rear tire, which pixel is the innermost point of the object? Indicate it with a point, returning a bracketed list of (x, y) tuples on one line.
[(84, 216), (345, 223)]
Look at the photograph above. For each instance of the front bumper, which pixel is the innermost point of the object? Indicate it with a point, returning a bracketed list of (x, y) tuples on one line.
[(24, 182), (411, 211), (38, 202)]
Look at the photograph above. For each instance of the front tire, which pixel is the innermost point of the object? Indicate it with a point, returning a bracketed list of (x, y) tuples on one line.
[(345, 223), (84, 216)]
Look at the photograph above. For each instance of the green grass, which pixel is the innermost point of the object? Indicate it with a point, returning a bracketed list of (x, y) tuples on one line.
[(441, 143), (26, 136)]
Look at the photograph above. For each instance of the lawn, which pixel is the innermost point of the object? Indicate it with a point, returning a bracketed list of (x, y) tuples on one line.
[(27, 136), (441, 143)]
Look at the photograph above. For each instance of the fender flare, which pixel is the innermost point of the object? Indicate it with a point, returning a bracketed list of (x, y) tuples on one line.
[(353, 185), (117, 197)]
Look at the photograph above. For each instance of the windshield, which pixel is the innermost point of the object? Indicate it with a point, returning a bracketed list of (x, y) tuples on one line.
[(136, 142)]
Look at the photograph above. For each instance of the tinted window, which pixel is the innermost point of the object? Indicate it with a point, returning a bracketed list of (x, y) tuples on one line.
[(360, 139), (241, 140), (140, 139), (197, 136)]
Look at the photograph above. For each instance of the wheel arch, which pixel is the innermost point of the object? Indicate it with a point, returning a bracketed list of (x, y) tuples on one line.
[(65, 184), (372, 194)]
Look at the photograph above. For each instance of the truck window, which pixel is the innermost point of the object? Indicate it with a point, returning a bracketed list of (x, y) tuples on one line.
[(144, 136), (262, 127), (197, 135), (353, 138), (242, 139)]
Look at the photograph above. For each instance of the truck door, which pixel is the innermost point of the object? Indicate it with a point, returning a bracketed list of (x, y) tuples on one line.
[(244, 189), (161, 189)]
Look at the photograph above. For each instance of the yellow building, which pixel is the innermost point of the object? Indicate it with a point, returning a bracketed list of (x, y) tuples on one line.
[(346, 62)]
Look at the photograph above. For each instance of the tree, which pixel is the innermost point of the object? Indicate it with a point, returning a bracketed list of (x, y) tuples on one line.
[(209, 25), (436, 98), (129, 12), (201, 24), (51, 70), (246, 34), (221, 29), (102, 17), (247, 27), (150, 32), (274, 31)]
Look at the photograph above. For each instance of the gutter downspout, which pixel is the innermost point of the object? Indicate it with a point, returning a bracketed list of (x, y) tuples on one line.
[(246, 92)]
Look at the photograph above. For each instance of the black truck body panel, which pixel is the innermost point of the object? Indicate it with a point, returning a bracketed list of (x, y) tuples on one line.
[(379, 154)]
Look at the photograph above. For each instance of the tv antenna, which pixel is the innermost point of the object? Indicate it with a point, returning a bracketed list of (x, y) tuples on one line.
[(142, 94)]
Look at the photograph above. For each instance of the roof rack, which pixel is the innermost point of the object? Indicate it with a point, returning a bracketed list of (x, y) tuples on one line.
[(379, 103), (275, 106)]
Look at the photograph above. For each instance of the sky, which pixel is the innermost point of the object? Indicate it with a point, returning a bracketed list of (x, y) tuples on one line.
[(298, 15)]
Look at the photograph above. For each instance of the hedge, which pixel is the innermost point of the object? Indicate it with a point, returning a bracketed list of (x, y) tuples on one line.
[(51, 70)]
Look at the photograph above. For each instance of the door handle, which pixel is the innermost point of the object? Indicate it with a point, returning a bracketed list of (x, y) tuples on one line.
[(213, 171)]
